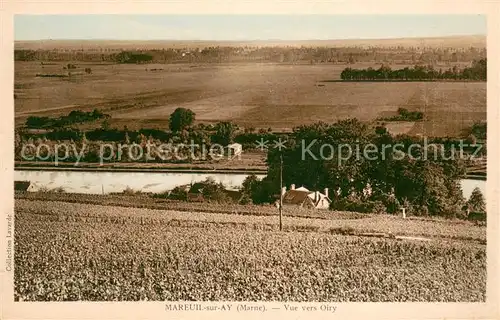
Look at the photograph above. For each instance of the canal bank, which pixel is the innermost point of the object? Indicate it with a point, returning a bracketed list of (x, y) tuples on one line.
[(108, 180)]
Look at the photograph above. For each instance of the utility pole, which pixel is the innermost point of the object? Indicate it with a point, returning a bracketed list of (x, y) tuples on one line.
[(281, 190)]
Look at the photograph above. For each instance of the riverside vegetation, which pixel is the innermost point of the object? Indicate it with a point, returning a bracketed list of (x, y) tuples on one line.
[(425, 180)]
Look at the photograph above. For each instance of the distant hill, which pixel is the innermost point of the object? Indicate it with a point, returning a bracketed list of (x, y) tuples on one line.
[(478, 41)]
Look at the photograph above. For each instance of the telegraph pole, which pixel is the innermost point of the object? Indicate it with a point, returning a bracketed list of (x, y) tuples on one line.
[(281, 190)]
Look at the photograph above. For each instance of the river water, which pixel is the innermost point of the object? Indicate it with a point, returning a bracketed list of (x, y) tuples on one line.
[(105, 182)]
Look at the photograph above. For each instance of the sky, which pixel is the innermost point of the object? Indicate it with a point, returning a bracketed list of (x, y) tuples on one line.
[(244, 27)]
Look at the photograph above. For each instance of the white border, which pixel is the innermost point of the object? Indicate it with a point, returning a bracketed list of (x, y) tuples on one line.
[(154, 310)]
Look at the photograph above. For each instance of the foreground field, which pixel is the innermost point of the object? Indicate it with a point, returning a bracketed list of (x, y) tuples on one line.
[(88, 252), (278, 96), (97, 208)]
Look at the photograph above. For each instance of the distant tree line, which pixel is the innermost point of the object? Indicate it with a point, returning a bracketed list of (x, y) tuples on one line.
[(280, 54), (130, 57), (477, 71), (75, 116), (182, 129), (222, 133), (405, 115), (51, 75)]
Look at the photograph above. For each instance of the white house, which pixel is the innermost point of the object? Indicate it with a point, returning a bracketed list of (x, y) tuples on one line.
[(305, 198)]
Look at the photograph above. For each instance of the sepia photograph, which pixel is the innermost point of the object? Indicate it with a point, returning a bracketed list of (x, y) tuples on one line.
[(249, 158)]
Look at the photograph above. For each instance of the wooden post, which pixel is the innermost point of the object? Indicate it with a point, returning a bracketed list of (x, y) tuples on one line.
[(404, 212), (281, 191)]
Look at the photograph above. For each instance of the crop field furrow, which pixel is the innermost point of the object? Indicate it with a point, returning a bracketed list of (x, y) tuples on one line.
[(61, 261), (65, 211)]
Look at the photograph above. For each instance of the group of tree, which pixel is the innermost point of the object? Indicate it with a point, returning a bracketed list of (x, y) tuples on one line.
[(208, 190), (478, 130), (74, 117), (424, 181), (405, 115), (477, 71), (181, 125), (476, 202), (132, 57), (183, 118)]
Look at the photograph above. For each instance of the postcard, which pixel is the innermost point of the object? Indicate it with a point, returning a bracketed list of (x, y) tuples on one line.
[(189, 164)]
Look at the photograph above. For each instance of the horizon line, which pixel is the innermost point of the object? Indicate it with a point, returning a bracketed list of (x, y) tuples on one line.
[(255, 40)]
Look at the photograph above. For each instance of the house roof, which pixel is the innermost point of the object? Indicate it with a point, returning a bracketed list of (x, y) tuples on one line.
[(21, 185), (302, 189), (298, 196), (295, 196)]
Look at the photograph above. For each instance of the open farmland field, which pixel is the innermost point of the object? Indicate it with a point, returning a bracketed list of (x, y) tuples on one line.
[(279, 96), (88, 252)]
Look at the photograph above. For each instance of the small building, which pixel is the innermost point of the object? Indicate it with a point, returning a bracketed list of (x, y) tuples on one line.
[(21, 185), (305, 198)]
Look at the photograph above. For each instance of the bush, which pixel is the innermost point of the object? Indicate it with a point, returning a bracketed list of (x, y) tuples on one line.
[(65, 134), (476, 202), (453, 211), (389, 202), (178, 193), (156, 134), (180, 119), (420, 210), (477, 216), (378, 207), (211, 191), (43, 189), (38, 122), (342, 230), (356, 205), (245, 199), (162, 195), (58, 190), (129, 191)]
